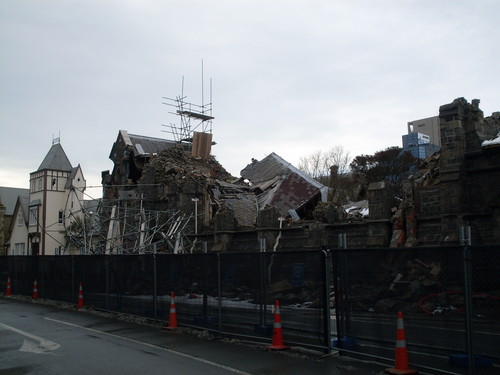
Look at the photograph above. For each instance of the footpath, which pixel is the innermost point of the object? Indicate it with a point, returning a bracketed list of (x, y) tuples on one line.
[(247, 357)]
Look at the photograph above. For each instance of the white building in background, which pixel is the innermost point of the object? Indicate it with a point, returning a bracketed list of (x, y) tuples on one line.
[(55, 196), (11, 218), (18, 241)]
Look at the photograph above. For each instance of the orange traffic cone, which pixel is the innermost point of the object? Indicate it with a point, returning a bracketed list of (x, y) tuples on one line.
[(35, 290), (277, 330), (401, 362), (80, 304), (172, 316), (8, 291)]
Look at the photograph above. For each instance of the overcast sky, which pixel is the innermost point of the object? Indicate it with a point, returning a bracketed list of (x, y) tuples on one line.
[(290, 77)]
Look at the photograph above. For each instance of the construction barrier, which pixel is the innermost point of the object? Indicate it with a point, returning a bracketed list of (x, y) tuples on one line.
[(277, 343), (80, 303), (35, 290), (8, 291), (401, 361), (172, 316)]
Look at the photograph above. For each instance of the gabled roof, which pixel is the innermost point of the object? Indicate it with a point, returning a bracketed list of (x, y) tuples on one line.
[(288, 193), (21, 206), (278, 183), (141, 145), (56, 160), (273, 165), (8, 197), (149, 145), (71, 177)]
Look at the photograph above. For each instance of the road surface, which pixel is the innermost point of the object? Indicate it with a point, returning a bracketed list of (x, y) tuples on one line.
[(40, 339)]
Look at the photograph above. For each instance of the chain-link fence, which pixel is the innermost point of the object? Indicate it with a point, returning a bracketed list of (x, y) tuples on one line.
[(345, 298), (229, 293), (450, 299)]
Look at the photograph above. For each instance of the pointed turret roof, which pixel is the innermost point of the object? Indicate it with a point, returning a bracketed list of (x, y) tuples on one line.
[(56, 159)]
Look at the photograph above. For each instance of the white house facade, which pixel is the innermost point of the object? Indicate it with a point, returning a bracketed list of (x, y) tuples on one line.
[(55, 203), (18, 242)]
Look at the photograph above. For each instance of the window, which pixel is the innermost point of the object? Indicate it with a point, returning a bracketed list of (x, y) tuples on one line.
[(20, 219), (61, 216), (58, 250), (18, 249), (40, 184), (33, 220)]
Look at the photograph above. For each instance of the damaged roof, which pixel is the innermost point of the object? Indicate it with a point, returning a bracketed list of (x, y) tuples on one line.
[(140, 145), (239, 199), (274, 165), (290, 192), (149, 145), (278, 183)]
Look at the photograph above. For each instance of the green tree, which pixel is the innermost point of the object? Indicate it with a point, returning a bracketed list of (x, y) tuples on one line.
[(391, 165)]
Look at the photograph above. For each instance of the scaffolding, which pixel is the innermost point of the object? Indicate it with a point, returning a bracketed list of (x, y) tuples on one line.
[(124, 226), (193, 117)]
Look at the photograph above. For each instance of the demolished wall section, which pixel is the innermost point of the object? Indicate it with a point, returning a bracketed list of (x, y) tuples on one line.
[(459, 185)]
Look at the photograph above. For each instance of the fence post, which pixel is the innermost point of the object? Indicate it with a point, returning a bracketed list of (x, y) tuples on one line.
[(465, 241), (341, 291), (41, 280), (326, 311), (155, 286), (106, 264), (219, 292), (72, 296), (262, 315), (205, 280)]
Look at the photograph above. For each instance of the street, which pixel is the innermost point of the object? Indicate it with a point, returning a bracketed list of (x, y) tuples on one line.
[(40, 339)]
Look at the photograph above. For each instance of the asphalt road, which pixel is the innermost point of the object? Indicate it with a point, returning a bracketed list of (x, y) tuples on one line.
[(40, 339)]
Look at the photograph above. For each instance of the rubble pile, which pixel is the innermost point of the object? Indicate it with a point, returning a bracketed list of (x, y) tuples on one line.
[(328, 212), (175, 166), (401, 287), (307, 295), (428, 171), (356, 210)]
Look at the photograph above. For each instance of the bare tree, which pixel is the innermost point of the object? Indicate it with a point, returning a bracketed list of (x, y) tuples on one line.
[(331, 168), (318, 164)]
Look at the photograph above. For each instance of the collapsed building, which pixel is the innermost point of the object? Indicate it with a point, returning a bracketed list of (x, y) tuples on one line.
[(458, 186), (179, 196), (173, 196)]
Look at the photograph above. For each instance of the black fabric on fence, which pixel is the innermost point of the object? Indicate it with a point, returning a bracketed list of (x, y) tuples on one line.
[(233, 293)]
